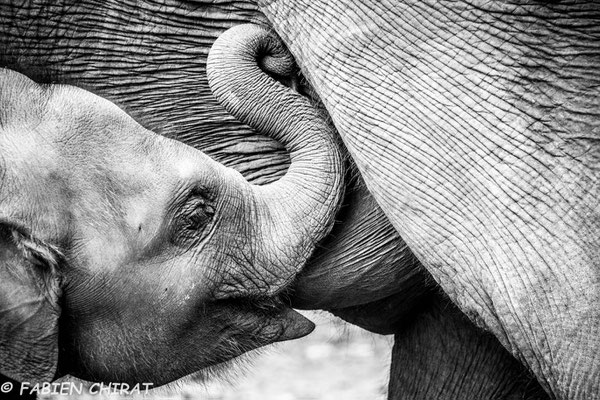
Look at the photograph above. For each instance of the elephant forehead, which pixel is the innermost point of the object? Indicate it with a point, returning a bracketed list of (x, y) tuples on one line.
[(186, 169), (25, 154), (31, 183)]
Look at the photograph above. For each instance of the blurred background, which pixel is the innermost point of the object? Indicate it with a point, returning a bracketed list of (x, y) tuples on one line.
[(337, 361)]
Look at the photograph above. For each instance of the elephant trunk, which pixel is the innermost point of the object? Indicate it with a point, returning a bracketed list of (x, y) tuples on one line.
[(298, 210)]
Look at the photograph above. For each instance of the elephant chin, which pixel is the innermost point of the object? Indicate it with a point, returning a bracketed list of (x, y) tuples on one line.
[(233, 328)]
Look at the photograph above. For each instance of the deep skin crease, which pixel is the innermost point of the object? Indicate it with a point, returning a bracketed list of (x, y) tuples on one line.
[(475, 127), (357, 283)]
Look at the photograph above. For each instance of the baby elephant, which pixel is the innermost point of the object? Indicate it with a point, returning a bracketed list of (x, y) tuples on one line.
[(156, 260)]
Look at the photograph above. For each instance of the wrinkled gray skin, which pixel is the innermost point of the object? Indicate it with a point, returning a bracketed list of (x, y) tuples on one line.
[(475, 126), (121, 247), (362, 271), (439, 354)]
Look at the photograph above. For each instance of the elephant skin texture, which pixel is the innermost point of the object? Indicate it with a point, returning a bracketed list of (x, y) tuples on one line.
[(442, 355), (475, 126), (151, 61)]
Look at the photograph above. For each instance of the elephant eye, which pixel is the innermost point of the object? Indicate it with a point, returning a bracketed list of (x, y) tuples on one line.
[(193, 212), (199, 214)]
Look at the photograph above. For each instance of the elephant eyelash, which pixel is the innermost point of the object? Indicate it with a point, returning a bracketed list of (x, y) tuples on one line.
[(200, 215), (202, 192), (193, 210)]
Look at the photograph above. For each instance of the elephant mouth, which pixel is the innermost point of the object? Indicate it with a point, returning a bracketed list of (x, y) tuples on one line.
[(203, 347), (263, 322), (267, 320), (257, 322)]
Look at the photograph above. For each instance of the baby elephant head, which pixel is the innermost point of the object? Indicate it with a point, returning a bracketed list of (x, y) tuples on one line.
[(129, 257)]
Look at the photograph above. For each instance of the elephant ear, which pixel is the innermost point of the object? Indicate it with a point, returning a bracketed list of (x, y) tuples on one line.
[(29, 305)]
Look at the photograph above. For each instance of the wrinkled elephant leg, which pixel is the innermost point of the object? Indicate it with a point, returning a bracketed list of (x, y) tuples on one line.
[(443, 356)]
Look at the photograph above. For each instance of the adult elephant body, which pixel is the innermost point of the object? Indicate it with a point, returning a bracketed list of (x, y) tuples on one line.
[(151, 61), (475, 127)]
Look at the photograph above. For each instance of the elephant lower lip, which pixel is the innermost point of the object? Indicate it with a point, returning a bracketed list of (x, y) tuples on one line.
[(269, 320), (295, 325)]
